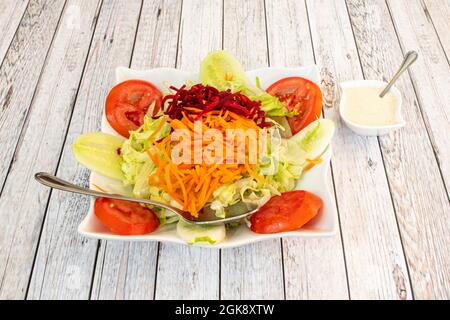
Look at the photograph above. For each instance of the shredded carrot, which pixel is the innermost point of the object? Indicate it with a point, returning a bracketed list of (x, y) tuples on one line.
[(193, 184), (152, 156), (182, 186)]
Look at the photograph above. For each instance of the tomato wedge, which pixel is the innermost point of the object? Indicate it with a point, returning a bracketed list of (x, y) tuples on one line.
[(128, 102), (124, 217), (301, 95), (286, 212)]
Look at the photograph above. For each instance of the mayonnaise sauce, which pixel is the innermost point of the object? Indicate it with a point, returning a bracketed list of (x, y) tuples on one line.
[(364, 106)]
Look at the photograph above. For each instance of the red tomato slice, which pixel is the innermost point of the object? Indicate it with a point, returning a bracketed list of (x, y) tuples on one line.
[(124, 217), (286, 212), (128, 102), (301, 95)]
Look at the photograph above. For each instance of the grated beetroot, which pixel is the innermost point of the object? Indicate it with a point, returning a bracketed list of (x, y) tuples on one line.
[(200, 99)]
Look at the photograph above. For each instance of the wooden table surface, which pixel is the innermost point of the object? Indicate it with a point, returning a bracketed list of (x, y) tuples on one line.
[(57, 65)]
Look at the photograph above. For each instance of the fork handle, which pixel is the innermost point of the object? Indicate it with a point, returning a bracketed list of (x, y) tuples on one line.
[(52, 181)]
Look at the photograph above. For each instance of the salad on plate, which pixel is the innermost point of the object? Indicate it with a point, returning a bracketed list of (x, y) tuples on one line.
[(225, 143)]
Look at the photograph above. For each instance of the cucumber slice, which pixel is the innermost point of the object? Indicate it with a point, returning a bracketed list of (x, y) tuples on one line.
[(315, 138), (99, 152), (192, 233), (221, 70)]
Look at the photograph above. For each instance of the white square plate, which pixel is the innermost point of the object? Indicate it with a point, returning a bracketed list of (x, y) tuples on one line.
[(315, 180)]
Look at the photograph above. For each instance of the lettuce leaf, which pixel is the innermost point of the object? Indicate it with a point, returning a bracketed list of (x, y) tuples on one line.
[(133, 151), (223, 71), (192, 233)]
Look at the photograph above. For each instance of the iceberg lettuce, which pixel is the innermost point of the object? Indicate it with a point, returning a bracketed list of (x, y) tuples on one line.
[(221, 70), (223, 197)]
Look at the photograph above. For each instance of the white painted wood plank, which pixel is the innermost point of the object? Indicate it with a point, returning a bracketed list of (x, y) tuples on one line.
[(313, 268), (11, 13), (254, 271), (65, 261), (19, 230), (375, 262), (439, 13), (20, 72), (126, 270), (188, 272), (416, 185), (430, 75)]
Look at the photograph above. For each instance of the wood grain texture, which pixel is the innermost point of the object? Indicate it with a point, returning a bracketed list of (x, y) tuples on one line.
[(375, 262), (20, 71), (313, 268), (438, 12), (23, 201), (200, 32), (254, 271), (11, 13), (188, 272), (65, 261), (127, 270), (416, 187), (430, 75), (55, 74)]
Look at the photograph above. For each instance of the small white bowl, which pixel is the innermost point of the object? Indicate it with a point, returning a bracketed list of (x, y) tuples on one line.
[(371, 130)]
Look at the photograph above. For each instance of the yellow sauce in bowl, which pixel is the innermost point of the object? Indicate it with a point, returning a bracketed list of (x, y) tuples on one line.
[(363, 106)]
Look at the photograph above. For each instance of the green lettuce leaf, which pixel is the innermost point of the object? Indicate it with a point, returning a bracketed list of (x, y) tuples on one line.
[(223, 71)]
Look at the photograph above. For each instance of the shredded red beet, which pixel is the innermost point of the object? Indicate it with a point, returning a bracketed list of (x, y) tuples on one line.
[(200, 99)]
